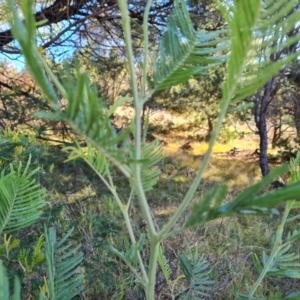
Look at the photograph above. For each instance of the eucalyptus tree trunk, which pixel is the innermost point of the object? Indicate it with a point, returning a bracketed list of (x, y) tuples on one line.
[(262, 99)]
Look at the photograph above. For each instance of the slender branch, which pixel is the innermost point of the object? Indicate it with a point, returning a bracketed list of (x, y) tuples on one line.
[(124, 208), (138, 109), (146, 45), (132, 268)]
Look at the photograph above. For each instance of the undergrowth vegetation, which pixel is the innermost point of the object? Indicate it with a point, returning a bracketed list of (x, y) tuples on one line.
[(112, 218), (77, 199)]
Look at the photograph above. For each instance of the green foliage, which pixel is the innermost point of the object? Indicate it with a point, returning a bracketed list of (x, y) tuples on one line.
[(37, 257), (196, 270), (64, 278), (264, 42), (4, 286), (281, 262), (163, 263), (89, 117), (250, 201), (22, 200), (93, 157), (151, 156), (284, 264), (183, 52)]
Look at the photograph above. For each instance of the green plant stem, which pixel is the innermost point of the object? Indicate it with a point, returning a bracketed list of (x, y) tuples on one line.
[(138, 110), (154, 243), (131, 267), (124, 209), (154, 249), (146, 45), (276, 248)]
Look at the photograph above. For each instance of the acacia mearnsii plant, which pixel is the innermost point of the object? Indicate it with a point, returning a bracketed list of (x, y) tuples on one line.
[(183, 52)]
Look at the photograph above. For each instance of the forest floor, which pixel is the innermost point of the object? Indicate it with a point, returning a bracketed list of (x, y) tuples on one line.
[(83, 201), (228, 244)]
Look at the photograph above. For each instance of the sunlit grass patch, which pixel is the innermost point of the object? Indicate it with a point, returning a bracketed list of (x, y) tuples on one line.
[(236, 173)]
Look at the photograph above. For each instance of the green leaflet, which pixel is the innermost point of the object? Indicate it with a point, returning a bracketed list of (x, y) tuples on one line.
[(151, 156), (196, 270), (93, 157), (65, 280), (247, 202), (22, 200), (267, 40), (4, 286), (184, 52), (26, 39), (164, 264)]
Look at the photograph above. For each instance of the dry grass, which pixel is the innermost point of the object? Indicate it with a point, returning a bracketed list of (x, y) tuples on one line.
[(227, 243)]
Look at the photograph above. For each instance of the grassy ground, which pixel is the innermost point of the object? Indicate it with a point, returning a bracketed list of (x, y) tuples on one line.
[(78, 198), (226, 243)]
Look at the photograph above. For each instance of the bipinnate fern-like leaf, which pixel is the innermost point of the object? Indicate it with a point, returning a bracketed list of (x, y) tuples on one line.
[(4, 286), (284, 263), (163, 263), (267, 53), (21, 199), (88, 115), (196, 270), (65, 280), (184, 51), (250, 201), (85, 112), (152, 154), (90, 155)]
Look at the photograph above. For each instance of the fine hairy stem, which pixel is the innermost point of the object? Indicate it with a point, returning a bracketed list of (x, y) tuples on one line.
[(138, 109), (154, 249), (154, 244), (124, 209), (131, 267), (146, 44)]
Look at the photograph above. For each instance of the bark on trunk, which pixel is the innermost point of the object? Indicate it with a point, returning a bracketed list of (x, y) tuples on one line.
[(276, 135), (263, 144), (297, 116), (261, 102), (210, 127)]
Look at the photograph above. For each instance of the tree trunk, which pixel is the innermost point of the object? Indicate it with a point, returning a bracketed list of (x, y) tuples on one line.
[(210, 127), (261, 102), (263, 145), (297, 115), (276, 134)]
